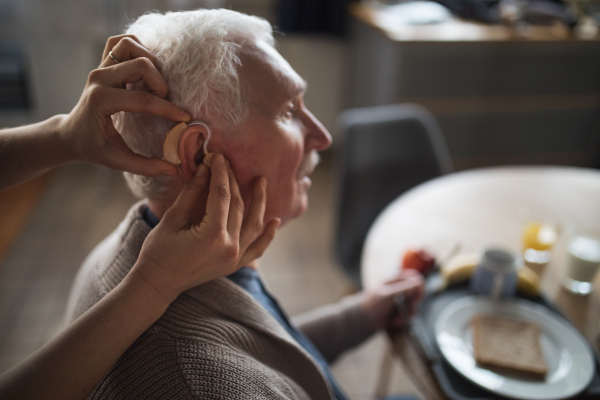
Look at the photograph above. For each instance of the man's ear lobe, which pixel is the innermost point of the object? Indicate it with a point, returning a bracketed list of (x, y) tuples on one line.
[(190, 148)]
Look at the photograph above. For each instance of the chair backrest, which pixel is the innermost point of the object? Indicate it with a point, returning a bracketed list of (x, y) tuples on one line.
[(384, 151)]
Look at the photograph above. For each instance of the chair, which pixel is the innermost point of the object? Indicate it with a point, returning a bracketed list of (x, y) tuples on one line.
[(385, 151)]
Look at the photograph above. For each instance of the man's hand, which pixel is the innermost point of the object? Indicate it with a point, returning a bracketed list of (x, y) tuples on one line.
[(380, 305), (179, 254), (88, 130)]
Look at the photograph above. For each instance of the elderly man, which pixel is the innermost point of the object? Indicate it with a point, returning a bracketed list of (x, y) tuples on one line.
[(228, 339)]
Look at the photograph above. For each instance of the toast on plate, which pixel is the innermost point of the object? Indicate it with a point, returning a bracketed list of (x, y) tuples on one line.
[(508, 345)]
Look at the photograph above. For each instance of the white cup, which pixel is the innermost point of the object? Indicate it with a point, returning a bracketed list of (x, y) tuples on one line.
[(496, 274), (583, 261)]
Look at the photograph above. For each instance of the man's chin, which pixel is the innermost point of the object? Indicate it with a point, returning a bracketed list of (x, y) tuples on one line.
[(302, 206), (299, 210)]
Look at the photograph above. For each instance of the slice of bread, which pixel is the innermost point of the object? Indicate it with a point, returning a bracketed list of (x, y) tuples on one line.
[(508, 345)]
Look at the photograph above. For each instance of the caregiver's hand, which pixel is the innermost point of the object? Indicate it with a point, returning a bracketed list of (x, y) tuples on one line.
[(87, 132), (179, 254), (88, 128)]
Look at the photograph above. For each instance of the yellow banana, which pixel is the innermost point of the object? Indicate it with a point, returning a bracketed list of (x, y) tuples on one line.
[(459, 268), (529, 282)]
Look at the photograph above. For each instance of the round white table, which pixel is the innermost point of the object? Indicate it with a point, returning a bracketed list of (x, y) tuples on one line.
[(478, 208)]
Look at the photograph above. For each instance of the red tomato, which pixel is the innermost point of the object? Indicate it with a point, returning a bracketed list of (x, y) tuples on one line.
[(418, 259)]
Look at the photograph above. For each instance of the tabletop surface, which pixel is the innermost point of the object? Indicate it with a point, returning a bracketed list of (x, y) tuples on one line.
[(457, 30), (479, 208)]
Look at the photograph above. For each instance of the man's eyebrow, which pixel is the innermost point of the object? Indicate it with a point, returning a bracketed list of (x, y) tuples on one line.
[(303, 84), (301, 87)]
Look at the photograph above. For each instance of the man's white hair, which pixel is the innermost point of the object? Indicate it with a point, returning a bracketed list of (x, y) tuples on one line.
[(197, 53)]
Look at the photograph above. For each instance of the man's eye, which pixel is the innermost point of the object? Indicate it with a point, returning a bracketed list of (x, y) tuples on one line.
[(290, 111)]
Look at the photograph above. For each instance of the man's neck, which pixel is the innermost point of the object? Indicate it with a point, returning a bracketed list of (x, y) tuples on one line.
[(252, 265)]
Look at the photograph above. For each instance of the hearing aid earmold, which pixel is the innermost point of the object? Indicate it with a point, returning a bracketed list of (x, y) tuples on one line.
[(171, 144)]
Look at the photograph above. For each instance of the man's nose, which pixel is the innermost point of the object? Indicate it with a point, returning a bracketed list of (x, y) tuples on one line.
[(317, 136)]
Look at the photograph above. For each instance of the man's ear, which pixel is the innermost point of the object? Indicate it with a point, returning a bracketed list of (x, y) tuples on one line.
[(190, 148)]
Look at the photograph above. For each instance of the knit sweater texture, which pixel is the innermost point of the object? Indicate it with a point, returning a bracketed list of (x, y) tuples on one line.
[(214, 341)]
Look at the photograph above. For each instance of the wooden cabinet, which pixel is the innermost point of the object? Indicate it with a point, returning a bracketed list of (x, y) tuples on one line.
[(500, 98)]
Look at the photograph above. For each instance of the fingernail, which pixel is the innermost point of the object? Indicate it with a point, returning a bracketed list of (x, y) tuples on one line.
[(263, 183), (185, 117)]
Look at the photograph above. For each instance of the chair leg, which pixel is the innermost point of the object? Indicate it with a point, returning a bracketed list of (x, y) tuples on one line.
[(381, 390)]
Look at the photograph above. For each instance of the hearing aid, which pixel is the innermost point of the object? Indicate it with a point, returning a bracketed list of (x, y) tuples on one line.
[(171, 144)]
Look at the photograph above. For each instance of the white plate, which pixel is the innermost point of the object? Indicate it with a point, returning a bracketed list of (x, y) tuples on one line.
[(569, 358)]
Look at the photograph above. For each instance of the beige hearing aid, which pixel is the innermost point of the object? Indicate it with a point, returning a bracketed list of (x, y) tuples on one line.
[(171, 144)]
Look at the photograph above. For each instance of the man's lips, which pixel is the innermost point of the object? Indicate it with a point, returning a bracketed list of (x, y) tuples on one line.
[(308, 166)]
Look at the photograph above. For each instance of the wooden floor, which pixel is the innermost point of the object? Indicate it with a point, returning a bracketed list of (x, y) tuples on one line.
[(81, 204)]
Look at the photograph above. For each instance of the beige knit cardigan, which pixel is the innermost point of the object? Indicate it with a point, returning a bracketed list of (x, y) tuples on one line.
[(215, 341)]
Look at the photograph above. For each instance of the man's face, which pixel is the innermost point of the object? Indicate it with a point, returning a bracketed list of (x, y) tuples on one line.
[(280, 138)]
